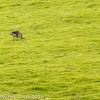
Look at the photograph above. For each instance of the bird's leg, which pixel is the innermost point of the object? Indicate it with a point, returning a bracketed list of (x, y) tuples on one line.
[(17, 37), (13, 38)]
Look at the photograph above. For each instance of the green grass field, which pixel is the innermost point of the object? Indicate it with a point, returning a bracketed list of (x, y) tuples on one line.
[(59, 59)]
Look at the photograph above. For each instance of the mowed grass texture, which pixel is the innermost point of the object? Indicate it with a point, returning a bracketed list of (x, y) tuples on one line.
[(59, 59)]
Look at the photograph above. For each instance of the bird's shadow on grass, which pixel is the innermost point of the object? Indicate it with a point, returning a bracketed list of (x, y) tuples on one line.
[(18, 39)]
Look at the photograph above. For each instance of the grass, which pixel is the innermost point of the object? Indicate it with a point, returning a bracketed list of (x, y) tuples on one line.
[(59, 59)]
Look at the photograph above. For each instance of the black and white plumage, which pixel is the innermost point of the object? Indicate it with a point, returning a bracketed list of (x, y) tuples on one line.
[(16, 33)]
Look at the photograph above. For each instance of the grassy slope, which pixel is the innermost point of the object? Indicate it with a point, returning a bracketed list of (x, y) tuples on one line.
[(60, 55)]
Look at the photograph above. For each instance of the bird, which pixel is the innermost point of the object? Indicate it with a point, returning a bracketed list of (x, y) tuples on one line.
[(17, 34)]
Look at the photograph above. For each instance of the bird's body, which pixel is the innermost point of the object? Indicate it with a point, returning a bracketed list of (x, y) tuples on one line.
[(16, 33)]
